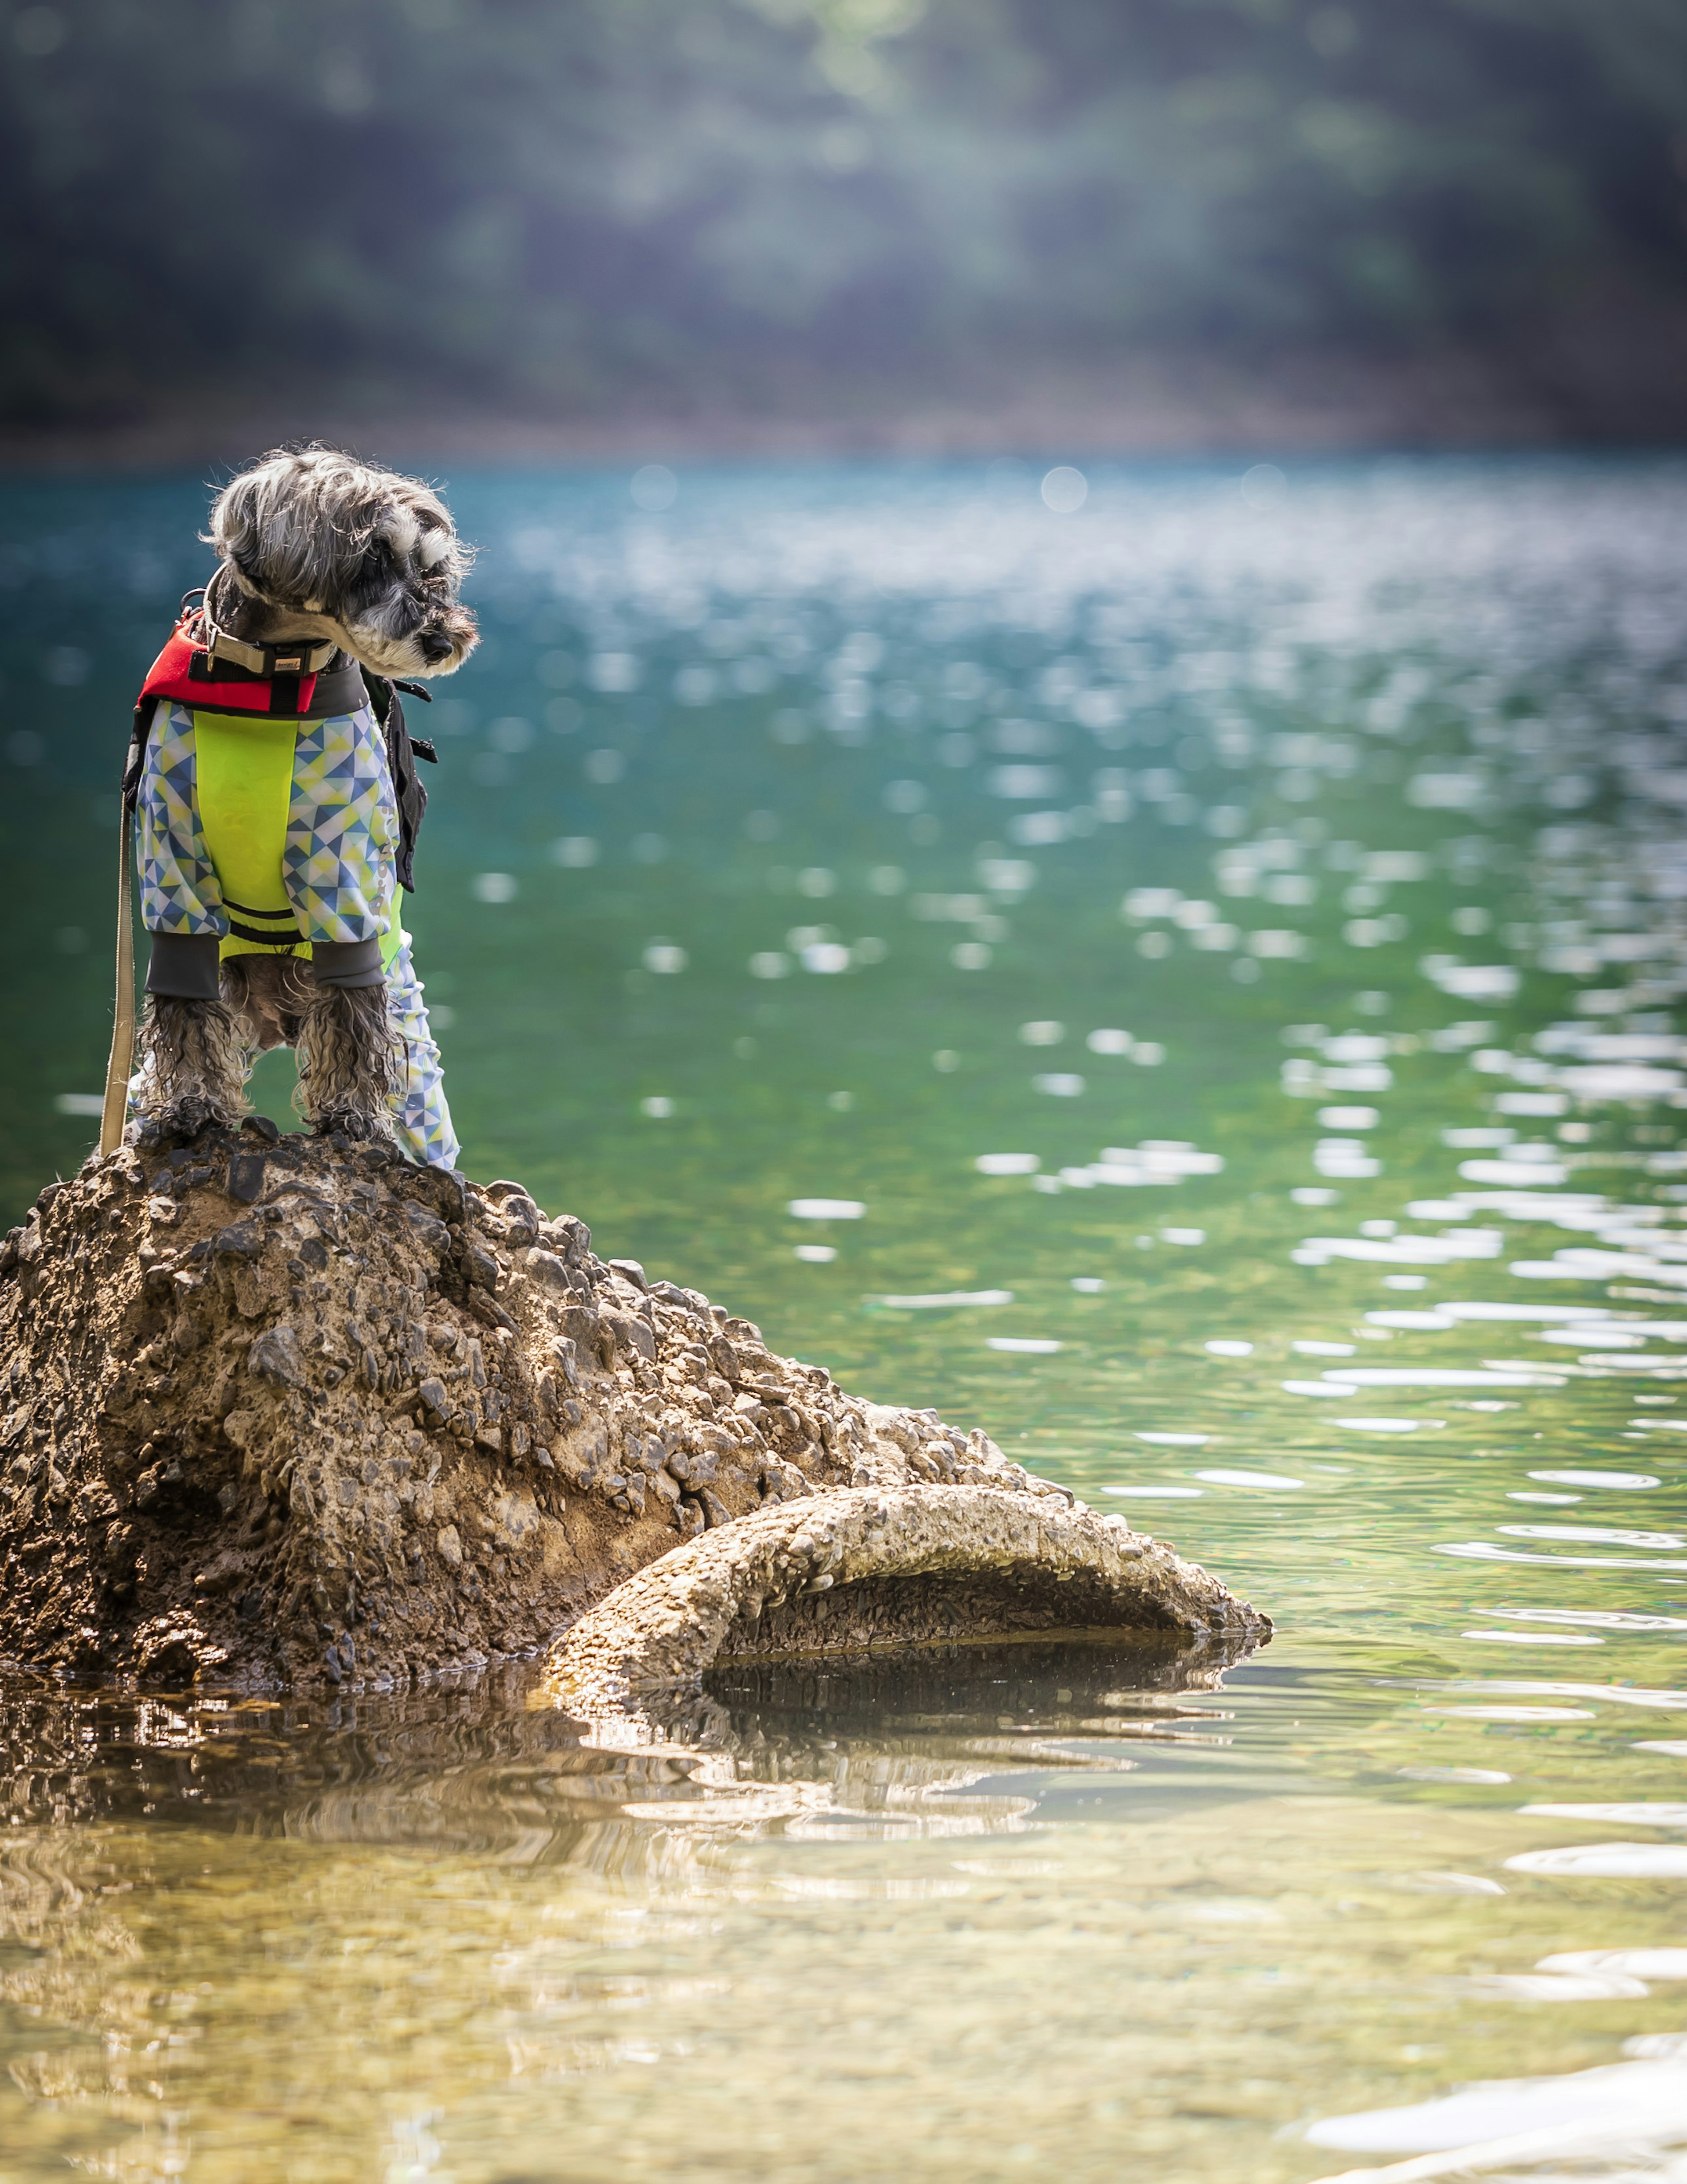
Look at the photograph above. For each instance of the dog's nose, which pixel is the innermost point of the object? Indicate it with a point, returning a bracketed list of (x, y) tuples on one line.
[(434, 646)]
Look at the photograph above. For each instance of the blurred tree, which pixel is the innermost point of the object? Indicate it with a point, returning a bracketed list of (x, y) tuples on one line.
[(581, 207)]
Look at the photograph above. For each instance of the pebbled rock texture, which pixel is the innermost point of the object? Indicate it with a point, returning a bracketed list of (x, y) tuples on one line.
[(290, 1409), (871, 1567)]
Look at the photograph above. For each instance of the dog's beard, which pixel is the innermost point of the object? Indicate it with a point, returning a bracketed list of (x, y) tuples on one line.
[(372, 641), (395, 625)]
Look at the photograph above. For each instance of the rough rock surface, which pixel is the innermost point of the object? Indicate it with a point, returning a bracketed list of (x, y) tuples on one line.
[(868, 1567), (287, 1408)]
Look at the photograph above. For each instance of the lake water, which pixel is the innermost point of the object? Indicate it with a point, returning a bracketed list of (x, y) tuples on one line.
[(1229, 939)]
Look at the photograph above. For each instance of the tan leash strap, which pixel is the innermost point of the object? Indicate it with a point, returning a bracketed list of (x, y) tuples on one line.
[(122, 1062)]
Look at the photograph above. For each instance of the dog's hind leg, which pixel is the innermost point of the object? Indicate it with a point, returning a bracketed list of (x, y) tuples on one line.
[(193, 1066), (350, 1061), (424, 1119)]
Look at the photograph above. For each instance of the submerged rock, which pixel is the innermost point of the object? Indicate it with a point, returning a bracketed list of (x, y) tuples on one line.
[(865, 1567), (299, 1411)]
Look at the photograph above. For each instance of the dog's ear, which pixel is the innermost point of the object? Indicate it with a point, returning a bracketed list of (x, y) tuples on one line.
[(437, 545), (417, 528), (234, 531), (275, 526)]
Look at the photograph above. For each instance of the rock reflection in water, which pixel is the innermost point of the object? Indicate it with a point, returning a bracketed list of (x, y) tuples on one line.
[(491, 1769), (202, 1903), (854, 1747)]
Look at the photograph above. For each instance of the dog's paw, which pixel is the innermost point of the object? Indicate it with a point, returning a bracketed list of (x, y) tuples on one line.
[(179, 1122), (354, 1126)]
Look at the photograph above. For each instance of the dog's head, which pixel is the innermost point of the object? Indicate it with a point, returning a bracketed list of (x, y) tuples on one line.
[(341, 547)]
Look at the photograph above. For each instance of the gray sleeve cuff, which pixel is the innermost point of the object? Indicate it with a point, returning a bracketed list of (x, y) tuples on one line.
[(347, 962), (184, 967)]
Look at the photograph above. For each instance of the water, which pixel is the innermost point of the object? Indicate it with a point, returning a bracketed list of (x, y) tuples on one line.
[(1291, 873)]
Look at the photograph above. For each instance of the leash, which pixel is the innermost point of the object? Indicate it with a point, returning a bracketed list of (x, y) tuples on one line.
[(122, 1061)]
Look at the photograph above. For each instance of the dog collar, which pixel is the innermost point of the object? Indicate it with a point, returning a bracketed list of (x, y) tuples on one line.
[(298, 658), (298, 655)]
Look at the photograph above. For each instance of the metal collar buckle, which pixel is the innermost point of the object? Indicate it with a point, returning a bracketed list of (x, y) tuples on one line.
[(268, 659)]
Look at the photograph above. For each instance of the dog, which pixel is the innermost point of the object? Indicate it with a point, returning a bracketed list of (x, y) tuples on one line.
[(278, 803)]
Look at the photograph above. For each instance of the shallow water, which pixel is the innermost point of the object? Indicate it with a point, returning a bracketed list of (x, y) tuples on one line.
[(1291, 873)]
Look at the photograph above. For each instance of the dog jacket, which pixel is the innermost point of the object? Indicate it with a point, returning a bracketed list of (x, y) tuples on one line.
[(271, 822)]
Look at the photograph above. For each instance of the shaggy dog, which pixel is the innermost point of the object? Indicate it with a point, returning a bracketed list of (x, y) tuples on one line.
[(278, 803)]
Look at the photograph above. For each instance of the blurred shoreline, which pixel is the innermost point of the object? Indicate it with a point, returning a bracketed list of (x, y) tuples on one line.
[(1612, 392)]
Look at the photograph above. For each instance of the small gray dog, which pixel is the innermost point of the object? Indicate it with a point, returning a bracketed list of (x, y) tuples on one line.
[(278, 803)]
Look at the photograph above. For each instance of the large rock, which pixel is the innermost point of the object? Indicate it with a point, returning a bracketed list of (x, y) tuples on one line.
[(861, 1569), (293, 1409)]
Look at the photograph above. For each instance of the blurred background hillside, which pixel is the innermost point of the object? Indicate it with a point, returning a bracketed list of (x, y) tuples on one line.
[(922, 223)]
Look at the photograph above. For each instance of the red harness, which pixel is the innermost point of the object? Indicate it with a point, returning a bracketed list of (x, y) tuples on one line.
[(173, 675)]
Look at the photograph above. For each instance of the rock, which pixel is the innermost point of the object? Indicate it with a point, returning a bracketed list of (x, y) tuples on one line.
[(274, 1358), (428, 1230), (173, 1649), (632, 1333), (373, 1422), (521, 1217), (246, 1177), (866, 1569)]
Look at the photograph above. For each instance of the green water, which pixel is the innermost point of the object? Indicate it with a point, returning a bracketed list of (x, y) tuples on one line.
[(1292, 873)]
